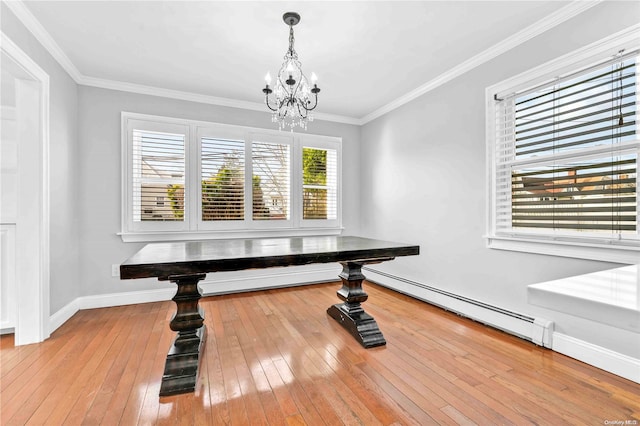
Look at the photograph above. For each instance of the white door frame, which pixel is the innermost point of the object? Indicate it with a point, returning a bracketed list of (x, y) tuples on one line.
[(32, 230)]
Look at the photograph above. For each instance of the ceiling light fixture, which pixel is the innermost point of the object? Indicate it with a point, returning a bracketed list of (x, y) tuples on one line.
[(293, 95)]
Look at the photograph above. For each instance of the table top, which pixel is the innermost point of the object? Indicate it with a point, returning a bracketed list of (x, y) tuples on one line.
[(192, 257)]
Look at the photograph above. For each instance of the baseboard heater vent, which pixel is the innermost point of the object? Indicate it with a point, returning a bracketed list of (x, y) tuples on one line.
[(536, 330)]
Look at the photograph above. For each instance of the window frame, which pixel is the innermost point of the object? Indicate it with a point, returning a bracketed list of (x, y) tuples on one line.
[(312, 141), (587, 247), (128, 175), (193, 228)]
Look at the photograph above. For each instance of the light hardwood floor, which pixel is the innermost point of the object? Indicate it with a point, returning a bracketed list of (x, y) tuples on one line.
[(275, 357)]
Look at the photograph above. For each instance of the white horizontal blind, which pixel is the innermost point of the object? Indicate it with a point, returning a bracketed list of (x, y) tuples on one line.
[(504, 157), (566, 155), (222, 179), (319, 183), (158, 173), (271, 181)]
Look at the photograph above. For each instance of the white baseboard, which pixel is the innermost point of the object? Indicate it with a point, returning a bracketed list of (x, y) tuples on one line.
[(106, 301), (603, 358), (218, 283), (233, 282), (537, 330), (7, 329), (63, 315)]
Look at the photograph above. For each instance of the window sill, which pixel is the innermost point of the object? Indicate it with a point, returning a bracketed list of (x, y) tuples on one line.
[(617, 253), (138, 237)]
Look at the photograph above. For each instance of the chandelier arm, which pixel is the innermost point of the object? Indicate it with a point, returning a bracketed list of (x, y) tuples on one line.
[(268, 105), (314, 105)]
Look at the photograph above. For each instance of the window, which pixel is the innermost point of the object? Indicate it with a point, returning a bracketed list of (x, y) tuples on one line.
[(563, 160), (270, 181), (189, 180), (319, 183), (157, 167), (222, 177)]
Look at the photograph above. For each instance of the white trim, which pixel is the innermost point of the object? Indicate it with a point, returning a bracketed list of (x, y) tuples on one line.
[(537, 330), (138, 237), (32, 325), (597, 356), (579, 250), (106, 301), (586, 55), (251, 280), (550, 21), (125, 298), (40, 33), (214, 284), (561, 15), (196, 97), (9, 292), (63, 315)]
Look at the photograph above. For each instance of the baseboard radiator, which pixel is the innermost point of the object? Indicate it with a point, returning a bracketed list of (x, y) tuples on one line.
[(536, 330)]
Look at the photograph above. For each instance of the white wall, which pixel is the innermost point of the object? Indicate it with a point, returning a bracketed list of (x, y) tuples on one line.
[(99, 212), (64, 161), (423, 180)]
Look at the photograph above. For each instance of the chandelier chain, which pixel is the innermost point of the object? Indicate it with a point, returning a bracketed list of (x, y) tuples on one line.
[(292, 52)]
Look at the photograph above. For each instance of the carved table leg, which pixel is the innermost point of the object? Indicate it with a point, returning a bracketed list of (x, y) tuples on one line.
[(350, 314), (183, 359)]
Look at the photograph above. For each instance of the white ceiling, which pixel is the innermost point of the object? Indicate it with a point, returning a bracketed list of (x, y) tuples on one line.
[(366, 54)]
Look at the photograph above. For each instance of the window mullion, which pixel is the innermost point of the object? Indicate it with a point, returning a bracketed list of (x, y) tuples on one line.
[(194, 166), (248, 181), (296, 182)]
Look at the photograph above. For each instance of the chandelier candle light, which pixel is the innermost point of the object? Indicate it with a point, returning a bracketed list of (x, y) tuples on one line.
[(293, 95)]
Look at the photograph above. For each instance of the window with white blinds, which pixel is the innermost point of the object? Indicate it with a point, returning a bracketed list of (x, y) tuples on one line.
[(319, 183), (158, 176), (208, 180), (271, 180), (222, 174), (565, 156)]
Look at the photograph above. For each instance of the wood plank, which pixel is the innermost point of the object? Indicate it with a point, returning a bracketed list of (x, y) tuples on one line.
[(275, 357), (18, 407), (127, 397)]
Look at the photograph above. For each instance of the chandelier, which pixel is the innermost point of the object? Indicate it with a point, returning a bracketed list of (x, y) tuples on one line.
[(294, 97)]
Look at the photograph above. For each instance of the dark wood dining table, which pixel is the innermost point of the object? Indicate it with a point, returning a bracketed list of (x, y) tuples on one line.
[(186, 263)]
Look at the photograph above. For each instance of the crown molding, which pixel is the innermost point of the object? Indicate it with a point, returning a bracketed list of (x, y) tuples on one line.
[(40, 33), (567, 12), (196, 97), (561, 15)]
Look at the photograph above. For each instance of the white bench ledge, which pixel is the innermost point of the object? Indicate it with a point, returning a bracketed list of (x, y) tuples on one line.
[(610, 297)]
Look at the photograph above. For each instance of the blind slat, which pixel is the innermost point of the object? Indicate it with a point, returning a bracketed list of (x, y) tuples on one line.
[(578, 81), (626, 82)]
